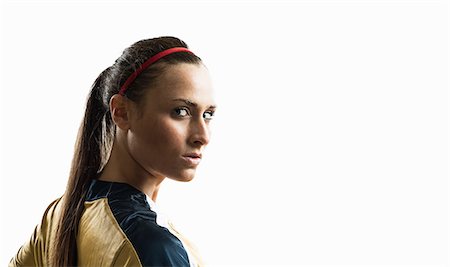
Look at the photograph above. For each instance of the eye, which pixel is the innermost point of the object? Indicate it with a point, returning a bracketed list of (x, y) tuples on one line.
[(181, 112), (208, 115)]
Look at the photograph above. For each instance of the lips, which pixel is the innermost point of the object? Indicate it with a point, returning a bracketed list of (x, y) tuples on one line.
[(192, 158), (193, 155)]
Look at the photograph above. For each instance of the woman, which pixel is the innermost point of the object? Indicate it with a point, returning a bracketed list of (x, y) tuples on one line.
[(147, 118)]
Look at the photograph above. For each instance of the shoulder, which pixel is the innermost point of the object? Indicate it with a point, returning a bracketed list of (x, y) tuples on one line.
[(34, 251), (52, 210), (155, 245)]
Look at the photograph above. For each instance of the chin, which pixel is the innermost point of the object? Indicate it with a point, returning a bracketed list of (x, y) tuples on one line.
[(186, 176)]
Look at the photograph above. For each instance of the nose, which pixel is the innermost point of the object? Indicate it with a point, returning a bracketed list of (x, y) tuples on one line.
[(200, 132)]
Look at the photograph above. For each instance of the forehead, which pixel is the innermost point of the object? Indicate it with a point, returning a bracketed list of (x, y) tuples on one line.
[(184, 80)]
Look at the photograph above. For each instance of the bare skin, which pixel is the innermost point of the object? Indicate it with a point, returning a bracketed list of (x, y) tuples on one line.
[(165, 136)]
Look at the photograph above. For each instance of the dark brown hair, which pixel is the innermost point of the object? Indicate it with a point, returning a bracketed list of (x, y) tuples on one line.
[(97, 131)]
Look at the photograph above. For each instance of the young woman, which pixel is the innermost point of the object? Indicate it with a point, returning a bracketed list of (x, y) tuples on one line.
[(147, 118)]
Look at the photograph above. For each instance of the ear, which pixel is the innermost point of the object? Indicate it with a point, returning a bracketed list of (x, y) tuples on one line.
[(119, 108)]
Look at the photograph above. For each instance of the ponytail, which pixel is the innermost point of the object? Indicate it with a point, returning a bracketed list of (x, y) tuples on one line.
[(92, 147)]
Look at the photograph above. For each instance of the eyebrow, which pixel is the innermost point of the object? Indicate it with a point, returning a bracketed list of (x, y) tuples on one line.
[(191, 103)]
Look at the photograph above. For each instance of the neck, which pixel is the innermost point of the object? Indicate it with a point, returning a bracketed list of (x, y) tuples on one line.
[(121, 167)]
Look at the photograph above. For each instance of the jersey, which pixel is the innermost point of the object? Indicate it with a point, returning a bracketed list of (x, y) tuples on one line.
[(117, 228)]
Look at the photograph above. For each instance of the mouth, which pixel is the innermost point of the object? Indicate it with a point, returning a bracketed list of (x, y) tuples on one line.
[(192, 158)]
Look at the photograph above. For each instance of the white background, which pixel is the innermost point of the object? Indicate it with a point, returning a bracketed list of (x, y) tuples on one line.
[(331, 141)]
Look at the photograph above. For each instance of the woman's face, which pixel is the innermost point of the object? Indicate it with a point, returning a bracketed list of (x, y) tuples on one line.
[(171, 132)]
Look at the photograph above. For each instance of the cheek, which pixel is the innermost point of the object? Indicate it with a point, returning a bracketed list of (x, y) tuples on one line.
[(164, 136), (171, 135)]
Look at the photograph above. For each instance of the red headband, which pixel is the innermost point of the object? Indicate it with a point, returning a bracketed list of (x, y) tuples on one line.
[(147, 63)]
